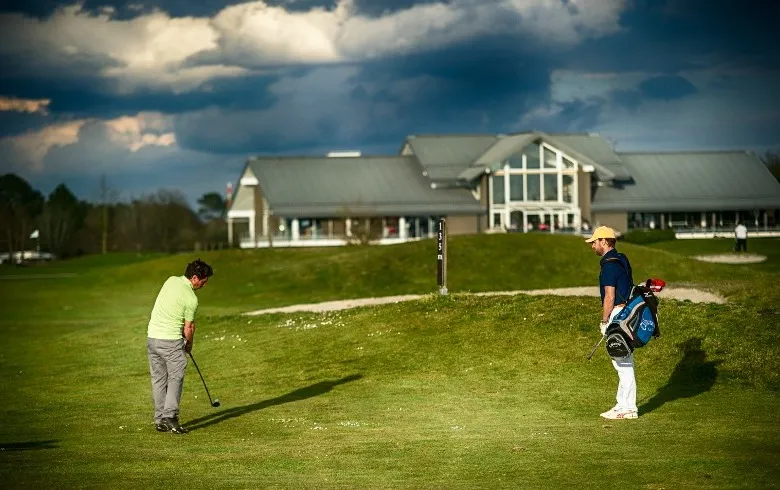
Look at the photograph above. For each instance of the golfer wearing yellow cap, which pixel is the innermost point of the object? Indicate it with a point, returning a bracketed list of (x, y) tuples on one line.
[(615, 284)]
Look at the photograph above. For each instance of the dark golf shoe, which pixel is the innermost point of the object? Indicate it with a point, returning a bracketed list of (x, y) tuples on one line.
[(161, 427), (173, 426)]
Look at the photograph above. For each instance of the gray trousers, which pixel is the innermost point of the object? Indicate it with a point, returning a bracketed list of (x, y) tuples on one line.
[(167, 363)]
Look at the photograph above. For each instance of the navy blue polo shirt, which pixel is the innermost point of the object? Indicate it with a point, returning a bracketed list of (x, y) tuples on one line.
[(613, 274)]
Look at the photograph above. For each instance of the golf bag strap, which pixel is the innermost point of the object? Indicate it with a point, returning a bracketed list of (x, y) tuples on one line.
[(630, 279)]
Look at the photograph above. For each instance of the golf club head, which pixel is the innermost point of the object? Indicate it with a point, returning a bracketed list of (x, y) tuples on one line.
[(215, 403)]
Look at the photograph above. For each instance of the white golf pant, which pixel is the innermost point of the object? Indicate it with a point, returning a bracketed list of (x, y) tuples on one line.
[(626, 391)]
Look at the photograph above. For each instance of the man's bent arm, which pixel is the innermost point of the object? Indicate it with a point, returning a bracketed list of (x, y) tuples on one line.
[(609, 303), (189, 331)]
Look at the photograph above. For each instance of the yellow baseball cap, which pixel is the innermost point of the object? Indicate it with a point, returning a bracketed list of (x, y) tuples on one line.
[(601, 232)]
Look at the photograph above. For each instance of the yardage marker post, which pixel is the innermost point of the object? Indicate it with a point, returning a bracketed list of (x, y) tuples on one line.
[(441, 257)]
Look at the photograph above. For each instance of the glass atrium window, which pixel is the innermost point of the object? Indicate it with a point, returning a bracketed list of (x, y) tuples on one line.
[(534, 188), (568, 188), (531, 153), (515, 187), (550, 187), (550, 159), (498, 189)]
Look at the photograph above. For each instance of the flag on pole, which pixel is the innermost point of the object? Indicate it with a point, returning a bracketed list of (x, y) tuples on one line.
[(34, 234)]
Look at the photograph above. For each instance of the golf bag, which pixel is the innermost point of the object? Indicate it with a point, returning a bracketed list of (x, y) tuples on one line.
[(637, 323)]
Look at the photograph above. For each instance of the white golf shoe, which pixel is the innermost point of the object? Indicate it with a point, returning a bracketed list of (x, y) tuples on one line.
[(619, 414)]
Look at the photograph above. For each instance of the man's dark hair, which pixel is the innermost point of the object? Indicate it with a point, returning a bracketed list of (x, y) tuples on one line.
[(611, 242), (198, 268)]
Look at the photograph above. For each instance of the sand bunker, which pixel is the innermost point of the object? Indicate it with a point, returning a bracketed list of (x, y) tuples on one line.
[(735, 258)]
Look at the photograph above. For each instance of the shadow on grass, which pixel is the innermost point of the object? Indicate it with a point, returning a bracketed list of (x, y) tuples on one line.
[(692, 376), (300, 394), (28, 446)]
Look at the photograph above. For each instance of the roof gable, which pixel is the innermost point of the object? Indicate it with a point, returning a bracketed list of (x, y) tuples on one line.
[(444, 157), (572, 145), (597, 149)]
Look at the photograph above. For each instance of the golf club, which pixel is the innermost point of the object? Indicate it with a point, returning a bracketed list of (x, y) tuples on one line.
[(214, 403), (596, 346)]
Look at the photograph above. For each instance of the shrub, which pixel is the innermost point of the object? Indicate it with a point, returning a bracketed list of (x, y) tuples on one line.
[(643, 237)]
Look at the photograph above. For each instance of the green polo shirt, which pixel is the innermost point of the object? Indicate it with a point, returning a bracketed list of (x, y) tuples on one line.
[(175, 303)]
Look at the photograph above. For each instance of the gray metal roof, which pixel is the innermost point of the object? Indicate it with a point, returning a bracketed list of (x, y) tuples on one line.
[(691, 181), (444, 157), (507, 146), (355, 186), (597, 149)]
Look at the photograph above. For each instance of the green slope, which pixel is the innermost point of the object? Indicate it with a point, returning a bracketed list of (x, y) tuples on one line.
[(446, 392)]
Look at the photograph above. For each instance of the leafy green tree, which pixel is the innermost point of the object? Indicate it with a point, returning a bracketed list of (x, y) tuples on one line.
[(20, 205), (63, 216), (212, 206)]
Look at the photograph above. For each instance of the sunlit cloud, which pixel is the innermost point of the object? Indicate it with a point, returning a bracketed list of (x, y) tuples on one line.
[(31, 106)]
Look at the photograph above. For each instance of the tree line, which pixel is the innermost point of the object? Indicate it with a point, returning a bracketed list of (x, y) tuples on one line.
[(67, 226)]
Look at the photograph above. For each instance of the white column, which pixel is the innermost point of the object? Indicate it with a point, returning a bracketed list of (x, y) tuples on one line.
[(348, 227), (402, 228), (252, 234), (330, 228), (384, 228), (525, 220), (296, 229), (265, 217), (230, 230), (507, 197)]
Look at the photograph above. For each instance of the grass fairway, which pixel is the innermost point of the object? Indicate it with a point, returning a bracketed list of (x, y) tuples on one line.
[(447, 392)]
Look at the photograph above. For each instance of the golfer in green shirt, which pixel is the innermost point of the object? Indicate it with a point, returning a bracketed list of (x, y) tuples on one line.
[(170, 335)]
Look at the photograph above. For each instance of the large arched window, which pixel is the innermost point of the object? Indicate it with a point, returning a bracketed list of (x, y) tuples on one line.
[(539, 173)]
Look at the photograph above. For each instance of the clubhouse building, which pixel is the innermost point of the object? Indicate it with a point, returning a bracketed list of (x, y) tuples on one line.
[(525, 182)]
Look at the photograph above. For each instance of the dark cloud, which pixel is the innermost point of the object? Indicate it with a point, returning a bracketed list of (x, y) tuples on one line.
[(377, 8), (666, 88), (628, 99), (685, 34), (87, 97), (479, 86), (14, 123), (573, 116), (460, 84)]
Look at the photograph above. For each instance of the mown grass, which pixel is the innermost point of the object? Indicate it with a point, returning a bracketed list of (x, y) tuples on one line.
[(446, 392)]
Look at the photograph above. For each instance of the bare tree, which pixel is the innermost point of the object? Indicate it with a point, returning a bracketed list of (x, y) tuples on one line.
[(108, 196)]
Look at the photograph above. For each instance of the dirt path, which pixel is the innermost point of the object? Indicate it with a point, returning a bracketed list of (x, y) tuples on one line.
[(680, 294)]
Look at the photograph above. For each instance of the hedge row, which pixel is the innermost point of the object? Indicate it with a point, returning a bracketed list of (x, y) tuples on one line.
[(642, 237)]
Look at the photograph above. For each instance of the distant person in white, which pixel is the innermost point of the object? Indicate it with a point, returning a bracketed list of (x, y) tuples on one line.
[(740, 232)]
